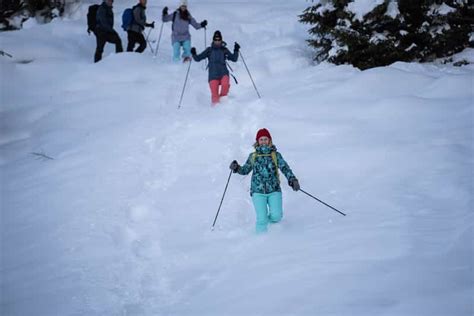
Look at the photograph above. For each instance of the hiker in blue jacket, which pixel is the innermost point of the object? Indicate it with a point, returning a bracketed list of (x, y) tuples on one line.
[(265, 185), (180, 36), (135, 29), (105, 30), (218, 54)]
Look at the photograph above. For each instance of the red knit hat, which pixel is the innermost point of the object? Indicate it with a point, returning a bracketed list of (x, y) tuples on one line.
[(263, 132)]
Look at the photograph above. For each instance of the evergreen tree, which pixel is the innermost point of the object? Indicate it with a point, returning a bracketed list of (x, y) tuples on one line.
[(14, 12), (403, 30)]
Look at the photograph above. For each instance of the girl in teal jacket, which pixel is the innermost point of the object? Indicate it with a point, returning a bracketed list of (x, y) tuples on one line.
[(265, 187)]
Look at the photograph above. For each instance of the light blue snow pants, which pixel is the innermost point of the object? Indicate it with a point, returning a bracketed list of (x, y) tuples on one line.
[(268, 208), (177, 49)]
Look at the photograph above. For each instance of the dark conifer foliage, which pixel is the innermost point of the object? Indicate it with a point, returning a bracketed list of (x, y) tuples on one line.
[(396, 30), (14, 12)]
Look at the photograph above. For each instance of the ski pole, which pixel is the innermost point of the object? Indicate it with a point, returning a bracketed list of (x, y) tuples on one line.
[(322, 202), (235, 79), (242, 56), (228, 65), (159, 39), (148, 42), (232, 70), (184, 86), (215, 219), (205, 43)]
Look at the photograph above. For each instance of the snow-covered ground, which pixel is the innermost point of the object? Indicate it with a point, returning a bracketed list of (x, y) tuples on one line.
[(118, 222)]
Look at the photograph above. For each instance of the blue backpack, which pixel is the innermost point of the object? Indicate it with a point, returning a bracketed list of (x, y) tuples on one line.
[(127, 18)]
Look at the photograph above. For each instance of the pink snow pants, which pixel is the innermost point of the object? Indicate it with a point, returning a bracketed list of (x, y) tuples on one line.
[(214, 86)]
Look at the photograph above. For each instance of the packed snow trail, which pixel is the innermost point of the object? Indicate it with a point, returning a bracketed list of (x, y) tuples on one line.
[(119, 222)]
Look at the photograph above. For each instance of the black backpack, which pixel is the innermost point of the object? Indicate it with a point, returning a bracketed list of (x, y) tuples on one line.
[(92, 17)]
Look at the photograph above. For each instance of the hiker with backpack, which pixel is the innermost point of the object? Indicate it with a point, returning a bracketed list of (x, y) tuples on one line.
[(218, 54), (134, 22), (265, 187), (104, 30), (180, 36)]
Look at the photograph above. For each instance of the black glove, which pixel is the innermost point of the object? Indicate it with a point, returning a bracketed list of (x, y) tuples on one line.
[(236, 47), (89, 31), (204, 23), (193, 51), (165, 11), (234, 166), (152, 24), (294, 184)]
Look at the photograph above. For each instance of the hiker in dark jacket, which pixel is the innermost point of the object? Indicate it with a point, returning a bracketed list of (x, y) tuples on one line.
[(180, 36), (105, 30), (218, 54), (135, 30), (265, 188)]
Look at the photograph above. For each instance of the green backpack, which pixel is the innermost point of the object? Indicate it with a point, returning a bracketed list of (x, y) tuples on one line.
[(274, 158)]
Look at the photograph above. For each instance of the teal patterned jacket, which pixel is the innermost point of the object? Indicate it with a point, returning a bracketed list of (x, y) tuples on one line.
[(264, 176)]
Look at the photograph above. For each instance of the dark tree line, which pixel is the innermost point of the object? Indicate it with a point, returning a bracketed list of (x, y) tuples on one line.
[(396, 30), (14, 12)]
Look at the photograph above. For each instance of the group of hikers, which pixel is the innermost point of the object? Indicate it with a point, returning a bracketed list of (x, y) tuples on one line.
[(101, 23), (265, 161)]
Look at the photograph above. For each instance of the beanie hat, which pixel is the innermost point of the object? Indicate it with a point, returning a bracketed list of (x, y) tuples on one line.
[(217, 35), (183, 2), (263, 132)]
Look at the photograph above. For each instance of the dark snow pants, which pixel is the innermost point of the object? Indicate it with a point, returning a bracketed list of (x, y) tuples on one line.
[(107, 37), (134, 38)]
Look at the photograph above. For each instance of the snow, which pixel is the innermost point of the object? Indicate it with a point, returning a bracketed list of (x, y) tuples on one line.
[(336, 49), (392, 9), (118, 223), (442, 9), (361, 7), (377, 38), (325, 7), (410, 47), (16, 21), (467, 54)]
